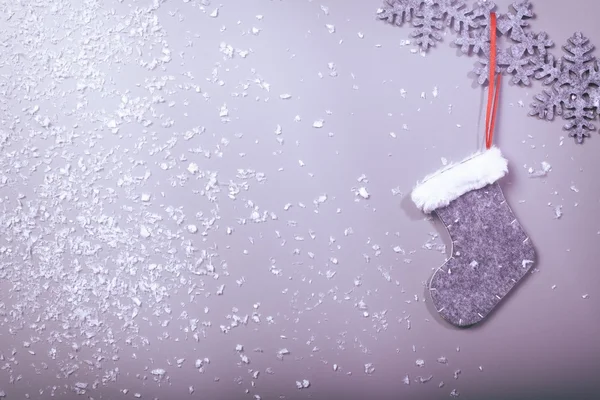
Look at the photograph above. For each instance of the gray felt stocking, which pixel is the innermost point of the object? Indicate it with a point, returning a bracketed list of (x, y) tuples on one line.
[(491, 252)]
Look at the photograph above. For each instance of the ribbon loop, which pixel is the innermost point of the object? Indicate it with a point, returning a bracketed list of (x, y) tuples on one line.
[(494, 86)]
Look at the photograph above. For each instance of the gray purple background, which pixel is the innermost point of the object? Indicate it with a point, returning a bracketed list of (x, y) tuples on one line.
[(542, 343)]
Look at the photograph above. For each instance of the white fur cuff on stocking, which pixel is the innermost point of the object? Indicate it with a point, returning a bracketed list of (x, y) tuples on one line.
[(449, 183)]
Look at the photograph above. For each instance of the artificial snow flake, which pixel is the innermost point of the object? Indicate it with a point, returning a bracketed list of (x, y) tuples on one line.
[(573, 92), (193, 168), (362, 192), (303, 384), (144, 232), (546, 167)]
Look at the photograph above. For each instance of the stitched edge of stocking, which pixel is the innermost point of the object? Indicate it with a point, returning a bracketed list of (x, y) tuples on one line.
[(528, 264), (449, 183)]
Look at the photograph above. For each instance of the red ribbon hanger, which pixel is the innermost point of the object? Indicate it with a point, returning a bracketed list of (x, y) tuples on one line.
[(494, 87)]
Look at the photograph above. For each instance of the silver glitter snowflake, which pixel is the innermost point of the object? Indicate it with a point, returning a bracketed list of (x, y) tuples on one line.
[(574, 79), (522, 59), (431, 17), (574, 91)]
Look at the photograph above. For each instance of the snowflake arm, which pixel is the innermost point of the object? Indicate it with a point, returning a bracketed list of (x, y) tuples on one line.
[(428, 24), (482, 71), (579, 113), (547, 104), (521, 68), (399, 11), (578, 54), (536, 44), (458, 16), (514, 22), (549, 69), (476, 42)]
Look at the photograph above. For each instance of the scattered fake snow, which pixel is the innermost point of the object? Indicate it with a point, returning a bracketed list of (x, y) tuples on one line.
[(138, 226)]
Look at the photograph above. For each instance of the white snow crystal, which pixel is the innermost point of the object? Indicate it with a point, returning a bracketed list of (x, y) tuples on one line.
[(226, 49), (193, 168), (283, 352), (546, 167), (558, 212), (223, 111), (215, 13), (158, 372), (145, 197), (420, 363), (192, 228), (303, 384), (318, 123), (362, 192), (398, 249), (330, 28), (45, 122), (285, 96), (144, 232)]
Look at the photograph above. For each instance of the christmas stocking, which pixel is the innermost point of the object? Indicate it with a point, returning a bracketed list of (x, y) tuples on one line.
[(490, 253)]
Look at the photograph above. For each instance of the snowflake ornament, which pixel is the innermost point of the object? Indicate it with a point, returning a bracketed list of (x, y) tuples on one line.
[(574, 91), (574, 79), (522, 59), (431, 17)]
